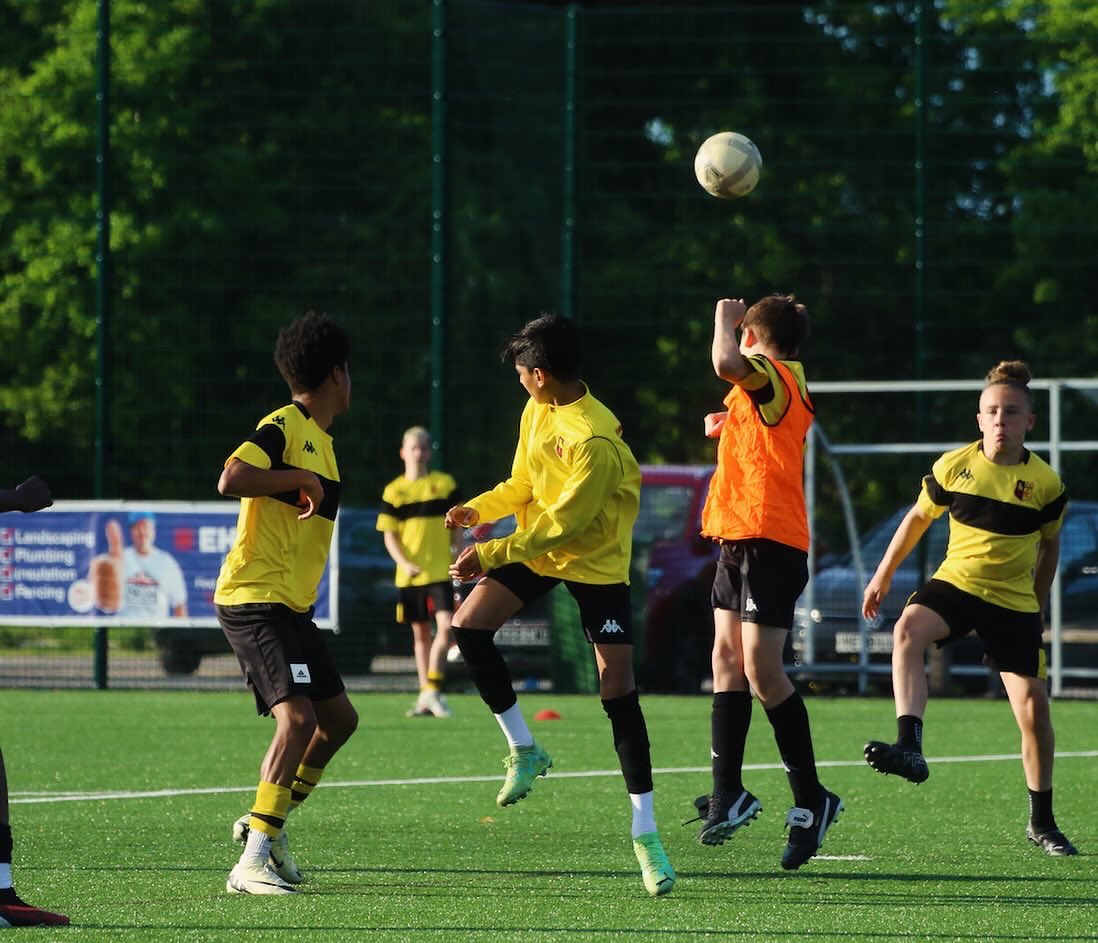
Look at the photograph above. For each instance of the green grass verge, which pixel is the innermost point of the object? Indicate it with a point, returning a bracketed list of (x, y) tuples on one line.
[(390, 859)]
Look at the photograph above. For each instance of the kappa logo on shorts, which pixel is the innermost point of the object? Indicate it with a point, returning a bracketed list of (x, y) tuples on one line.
[(301, 674), (610, 627), (750, 606)]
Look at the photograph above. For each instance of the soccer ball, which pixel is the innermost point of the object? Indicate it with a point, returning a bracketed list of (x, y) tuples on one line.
[(727, 165)]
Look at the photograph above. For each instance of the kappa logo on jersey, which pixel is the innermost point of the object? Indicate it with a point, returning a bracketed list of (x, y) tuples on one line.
[(965, 475), (611, 627), (279, 420), (309, 448), (301, 674), (1023, 490), (750, 606)]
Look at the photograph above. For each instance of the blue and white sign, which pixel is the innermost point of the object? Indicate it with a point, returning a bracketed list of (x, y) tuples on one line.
[(122, 563)]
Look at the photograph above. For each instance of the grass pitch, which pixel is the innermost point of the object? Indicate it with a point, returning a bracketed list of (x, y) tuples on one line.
[(123, 802)]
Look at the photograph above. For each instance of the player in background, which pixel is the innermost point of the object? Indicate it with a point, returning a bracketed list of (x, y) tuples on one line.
[(412, 518), (32, 495), (1005, 506), (756, 509), (288, 481), (574, 490)]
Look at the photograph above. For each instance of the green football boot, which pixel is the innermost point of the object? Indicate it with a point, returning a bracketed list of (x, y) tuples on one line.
[(524, 765), (659, 876)]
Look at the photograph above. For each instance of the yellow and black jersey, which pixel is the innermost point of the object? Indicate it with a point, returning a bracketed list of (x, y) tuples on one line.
[(276, 557), (416, 511), (575, 492), (998, 514)]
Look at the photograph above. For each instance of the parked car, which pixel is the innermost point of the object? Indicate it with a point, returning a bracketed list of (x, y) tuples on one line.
[(677, 632), (832, 606)]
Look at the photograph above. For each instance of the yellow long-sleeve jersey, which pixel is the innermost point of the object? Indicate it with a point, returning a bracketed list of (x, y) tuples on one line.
[(575, 492)]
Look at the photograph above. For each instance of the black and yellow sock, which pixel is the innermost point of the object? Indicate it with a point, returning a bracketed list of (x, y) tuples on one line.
[(272, 805), (305, 781), (435, 680)]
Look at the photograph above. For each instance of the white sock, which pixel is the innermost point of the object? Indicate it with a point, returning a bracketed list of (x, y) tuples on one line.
[(259, 845), (514, 728), (5, 876), (644, 813)]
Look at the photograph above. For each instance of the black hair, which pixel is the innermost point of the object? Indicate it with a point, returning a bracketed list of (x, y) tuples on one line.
[(550, 342), (308, 349)]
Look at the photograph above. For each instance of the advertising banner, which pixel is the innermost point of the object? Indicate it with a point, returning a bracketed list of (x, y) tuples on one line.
[(151, 563)]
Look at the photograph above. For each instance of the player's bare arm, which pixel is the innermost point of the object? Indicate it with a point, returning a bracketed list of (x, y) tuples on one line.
[(396, 552), (461, 516), (32, 495), (915, 523), (1048, 556), (467, 566), (241, 480), (728, 361)]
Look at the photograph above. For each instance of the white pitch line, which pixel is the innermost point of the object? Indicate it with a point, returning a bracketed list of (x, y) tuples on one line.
[(42, 797)]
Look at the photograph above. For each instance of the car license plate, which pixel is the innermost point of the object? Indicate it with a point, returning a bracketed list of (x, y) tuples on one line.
[(524, 634), (849, 643)]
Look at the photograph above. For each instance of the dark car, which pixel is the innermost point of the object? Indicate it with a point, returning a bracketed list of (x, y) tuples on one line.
[(677, 633), (829, 624)]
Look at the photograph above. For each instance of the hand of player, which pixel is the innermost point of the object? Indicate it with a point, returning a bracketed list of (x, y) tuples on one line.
[(411, 569), (309, 497), (34, 494), (714, 422), (730, 312), (467, 566), (461, 516), (875, 594)]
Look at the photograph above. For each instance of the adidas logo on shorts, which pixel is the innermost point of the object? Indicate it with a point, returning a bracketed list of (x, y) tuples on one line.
[(300, 674)]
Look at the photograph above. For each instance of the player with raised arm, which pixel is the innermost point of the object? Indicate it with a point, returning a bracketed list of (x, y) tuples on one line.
[(288, 481), (1006, 506), (756, 510), (575, 491)]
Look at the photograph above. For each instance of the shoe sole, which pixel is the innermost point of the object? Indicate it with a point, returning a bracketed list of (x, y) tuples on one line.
[(720, 833), (876, 745), (268, 890), (511, 801)]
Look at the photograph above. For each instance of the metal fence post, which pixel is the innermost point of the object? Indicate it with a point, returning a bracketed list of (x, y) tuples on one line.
[(102, 280)]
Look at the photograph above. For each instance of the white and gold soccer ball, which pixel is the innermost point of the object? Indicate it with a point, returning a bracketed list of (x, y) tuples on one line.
[(727, 165)]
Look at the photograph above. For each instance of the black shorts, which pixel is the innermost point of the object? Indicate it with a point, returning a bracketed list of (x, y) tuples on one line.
[(1011, 639), (605, 610), (760, 580), (420, 603), (281, 653)]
